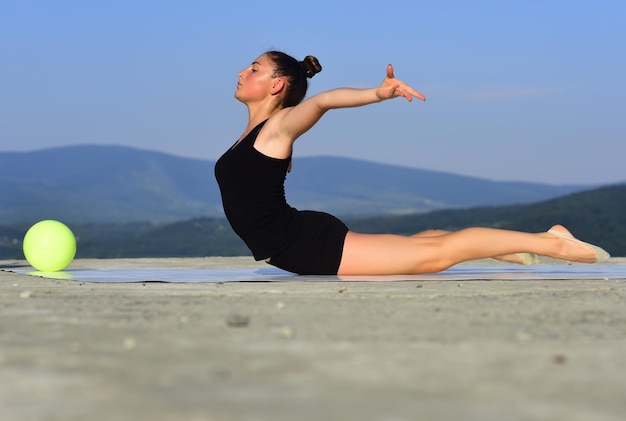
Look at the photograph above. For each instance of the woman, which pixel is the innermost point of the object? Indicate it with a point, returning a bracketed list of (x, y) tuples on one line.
[(251, 176)]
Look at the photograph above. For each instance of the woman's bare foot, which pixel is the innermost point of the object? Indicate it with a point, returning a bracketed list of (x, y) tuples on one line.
[(577, 250)]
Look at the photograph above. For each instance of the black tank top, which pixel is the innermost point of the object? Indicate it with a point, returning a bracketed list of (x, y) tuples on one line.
[(253, 196)]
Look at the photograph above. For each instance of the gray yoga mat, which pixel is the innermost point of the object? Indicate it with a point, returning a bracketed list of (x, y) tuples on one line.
[(456, 273)]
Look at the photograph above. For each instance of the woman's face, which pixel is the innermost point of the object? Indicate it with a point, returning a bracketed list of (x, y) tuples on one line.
[(255, 81)]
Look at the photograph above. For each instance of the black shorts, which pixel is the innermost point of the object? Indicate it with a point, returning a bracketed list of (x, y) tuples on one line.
[(316, 245)]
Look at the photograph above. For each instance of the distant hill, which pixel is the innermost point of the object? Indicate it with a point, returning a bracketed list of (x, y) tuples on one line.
[(352, 187), (114, 184), (104, 184), (597, 216)]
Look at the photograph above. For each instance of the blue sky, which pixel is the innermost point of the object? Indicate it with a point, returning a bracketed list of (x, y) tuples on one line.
[(517, 90)]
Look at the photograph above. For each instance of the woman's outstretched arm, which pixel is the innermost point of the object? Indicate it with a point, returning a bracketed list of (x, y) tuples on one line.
[(297, 120)]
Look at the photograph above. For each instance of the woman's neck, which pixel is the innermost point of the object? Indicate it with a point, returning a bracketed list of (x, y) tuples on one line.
[(258, 114)]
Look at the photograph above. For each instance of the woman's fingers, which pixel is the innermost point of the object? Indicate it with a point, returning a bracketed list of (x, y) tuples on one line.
[(390, 71), (417, 94), (402, 89)]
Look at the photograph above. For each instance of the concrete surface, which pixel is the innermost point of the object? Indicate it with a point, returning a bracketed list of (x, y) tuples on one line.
[(471, 350)]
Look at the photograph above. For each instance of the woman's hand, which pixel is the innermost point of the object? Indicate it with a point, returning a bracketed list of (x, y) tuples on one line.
[(392, 88)]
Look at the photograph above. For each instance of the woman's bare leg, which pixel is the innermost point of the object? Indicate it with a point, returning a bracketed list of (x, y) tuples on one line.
[(516, 258), (384, 254)]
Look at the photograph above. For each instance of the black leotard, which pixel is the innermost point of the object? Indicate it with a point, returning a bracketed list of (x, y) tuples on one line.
[(253, 196)]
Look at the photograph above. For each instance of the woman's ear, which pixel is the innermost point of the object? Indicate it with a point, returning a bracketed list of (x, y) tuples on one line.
[(277, 86)]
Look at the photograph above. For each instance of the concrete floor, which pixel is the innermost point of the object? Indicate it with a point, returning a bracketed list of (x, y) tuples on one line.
[(427, 350)]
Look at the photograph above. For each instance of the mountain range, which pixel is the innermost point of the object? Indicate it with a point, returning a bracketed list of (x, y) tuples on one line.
[(109, 184), (593, 215)]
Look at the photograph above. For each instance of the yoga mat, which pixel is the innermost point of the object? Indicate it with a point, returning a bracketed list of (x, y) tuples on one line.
[(456, 273)]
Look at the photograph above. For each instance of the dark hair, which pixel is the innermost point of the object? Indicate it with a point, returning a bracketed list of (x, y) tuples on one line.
[(296, 72)]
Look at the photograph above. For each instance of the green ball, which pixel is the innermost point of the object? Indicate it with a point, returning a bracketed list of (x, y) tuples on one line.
[(49, 246)]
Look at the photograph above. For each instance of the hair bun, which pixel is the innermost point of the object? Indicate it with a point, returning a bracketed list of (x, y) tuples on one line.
[(311, 66)]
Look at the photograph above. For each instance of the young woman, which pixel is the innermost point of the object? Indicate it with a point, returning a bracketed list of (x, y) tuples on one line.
[(251, 177)]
